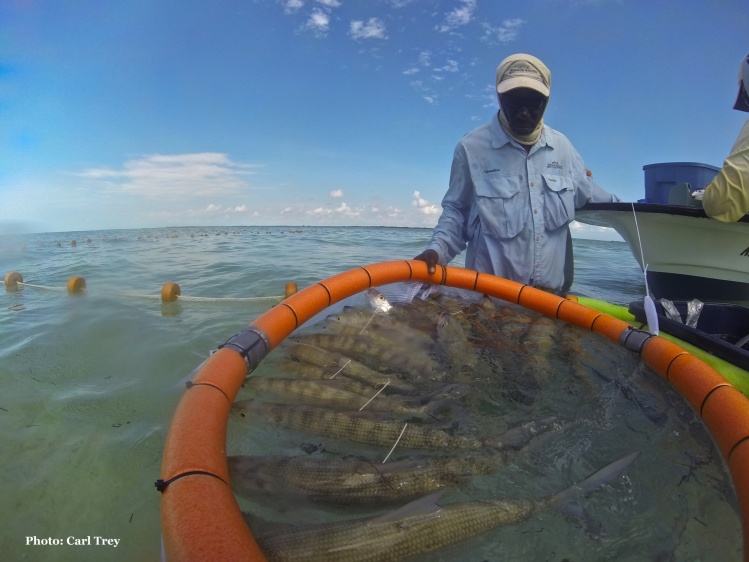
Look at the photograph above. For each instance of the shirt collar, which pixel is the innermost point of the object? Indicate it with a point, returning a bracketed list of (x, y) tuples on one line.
[(501, 138)]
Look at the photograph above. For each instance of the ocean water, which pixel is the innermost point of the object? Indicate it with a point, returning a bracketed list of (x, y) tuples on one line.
[(90, 381)]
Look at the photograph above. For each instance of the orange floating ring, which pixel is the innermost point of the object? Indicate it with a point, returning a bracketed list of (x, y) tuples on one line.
[(200, 517), (12, 279), (76, 284)]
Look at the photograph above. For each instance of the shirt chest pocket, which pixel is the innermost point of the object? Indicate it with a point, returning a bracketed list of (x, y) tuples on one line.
[(559, 201), (501, 206)]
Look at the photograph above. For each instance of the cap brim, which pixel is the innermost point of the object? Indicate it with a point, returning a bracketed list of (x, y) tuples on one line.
[(522, 82)]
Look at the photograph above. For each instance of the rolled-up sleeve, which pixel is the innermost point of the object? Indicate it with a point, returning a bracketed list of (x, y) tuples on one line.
[(726, 198), (587, 190), (450, 235)]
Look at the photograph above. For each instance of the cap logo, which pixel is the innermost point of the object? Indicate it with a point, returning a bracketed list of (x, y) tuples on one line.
[(522, 68)]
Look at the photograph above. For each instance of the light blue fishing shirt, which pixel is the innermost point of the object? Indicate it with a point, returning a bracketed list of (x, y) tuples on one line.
[(511, 208)]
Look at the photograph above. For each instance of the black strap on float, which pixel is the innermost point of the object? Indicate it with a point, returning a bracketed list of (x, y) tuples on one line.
[(162, 484), (251, 343)]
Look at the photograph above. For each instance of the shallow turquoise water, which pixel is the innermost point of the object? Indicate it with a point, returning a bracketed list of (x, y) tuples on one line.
[(90, 381)]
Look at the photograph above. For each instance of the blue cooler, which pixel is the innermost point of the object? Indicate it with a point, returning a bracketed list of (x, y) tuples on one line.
[(660, 178)]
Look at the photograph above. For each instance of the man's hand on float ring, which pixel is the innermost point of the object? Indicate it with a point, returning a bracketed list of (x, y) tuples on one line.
[(431, 258)]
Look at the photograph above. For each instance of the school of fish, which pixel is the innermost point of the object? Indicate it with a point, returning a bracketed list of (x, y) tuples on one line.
[(407, 399)]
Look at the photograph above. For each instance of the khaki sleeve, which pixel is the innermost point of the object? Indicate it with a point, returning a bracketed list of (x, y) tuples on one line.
[(727, 197)]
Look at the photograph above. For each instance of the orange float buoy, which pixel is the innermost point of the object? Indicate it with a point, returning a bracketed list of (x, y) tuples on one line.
[(291, 288), (76, 284), (12, 279), (170, 291)]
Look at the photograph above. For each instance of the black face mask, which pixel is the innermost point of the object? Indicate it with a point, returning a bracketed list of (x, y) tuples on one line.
[(742, 93), (523, 108)]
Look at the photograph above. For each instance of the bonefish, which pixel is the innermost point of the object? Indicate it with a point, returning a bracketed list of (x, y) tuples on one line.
[(421, 526), (361, 429), (332, 393), (354, 482), (354, 427), (364, 348), (346, 365)]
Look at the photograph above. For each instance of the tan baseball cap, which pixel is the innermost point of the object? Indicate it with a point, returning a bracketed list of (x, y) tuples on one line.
[(523, 71)]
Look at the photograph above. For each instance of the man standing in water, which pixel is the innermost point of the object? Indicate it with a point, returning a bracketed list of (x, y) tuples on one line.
[(514, 186)]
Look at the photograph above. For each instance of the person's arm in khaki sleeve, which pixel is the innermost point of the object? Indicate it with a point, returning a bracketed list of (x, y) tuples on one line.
[(726, 198)]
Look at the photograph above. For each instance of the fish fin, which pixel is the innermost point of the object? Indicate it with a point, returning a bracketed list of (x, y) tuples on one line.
[(519, 437), (446, 404), (566, 501), (423, 507)]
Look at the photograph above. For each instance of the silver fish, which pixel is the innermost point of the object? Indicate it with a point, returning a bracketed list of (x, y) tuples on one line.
[(388, 326), (460, 353), (354, 482), (329, 393), (332, 393), (309, 371), (362, 429), (378, 301), (354, 427), (421, 526), (346, 366), (363, 348)]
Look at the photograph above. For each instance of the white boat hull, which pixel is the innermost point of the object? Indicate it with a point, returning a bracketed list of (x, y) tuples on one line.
[(687, 254)]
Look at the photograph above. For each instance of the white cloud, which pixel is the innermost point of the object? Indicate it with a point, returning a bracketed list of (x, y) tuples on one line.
[(424, 206), (505, 33), (213, 209), (318, 22), (344, 209), (172, 176), (329, 3), (449, 66), (374, 28), (461, 15), (336, 193), (292, 6)]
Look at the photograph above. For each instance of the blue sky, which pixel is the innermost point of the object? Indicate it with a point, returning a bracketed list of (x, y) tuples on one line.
[(150, 113)]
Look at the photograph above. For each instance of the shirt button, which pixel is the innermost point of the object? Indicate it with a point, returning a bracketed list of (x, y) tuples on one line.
[(533, 184), (535, 211)]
